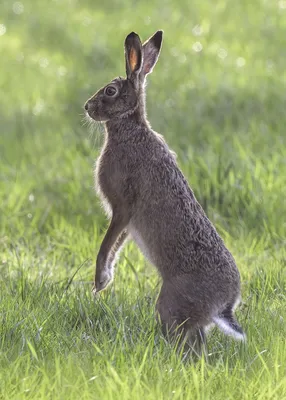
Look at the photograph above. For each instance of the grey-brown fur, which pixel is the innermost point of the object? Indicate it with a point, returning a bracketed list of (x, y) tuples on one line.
[(148, 199)]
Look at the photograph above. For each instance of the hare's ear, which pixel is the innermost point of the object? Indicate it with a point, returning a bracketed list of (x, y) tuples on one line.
[(133, 55), (151, 52)]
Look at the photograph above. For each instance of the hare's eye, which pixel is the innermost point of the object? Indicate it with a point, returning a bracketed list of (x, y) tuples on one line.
[(110, 91)]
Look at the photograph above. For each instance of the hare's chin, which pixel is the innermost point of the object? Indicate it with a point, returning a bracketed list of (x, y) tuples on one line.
[(92, 119)]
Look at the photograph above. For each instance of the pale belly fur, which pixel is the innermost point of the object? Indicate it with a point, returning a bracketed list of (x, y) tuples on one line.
[(140, 243)]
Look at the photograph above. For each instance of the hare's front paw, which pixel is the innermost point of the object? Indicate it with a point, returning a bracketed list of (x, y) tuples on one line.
[(102, 279)]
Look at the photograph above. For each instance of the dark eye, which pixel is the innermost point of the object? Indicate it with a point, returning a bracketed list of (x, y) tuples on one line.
[(110, 91)]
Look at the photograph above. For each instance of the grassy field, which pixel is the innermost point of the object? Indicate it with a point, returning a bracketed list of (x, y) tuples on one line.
[(218, 94)]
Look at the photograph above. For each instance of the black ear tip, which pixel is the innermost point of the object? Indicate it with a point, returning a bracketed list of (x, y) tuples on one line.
[(158, 37), (132, 36)]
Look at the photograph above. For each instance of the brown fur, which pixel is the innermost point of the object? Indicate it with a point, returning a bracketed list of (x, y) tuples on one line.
[(148, 198)]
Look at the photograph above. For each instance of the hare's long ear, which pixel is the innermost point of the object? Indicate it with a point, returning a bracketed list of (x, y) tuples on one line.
[(151, 52), (133, 56)]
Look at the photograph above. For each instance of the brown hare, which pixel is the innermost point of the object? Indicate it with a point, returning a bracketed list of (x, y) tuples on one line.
[(148, 199)]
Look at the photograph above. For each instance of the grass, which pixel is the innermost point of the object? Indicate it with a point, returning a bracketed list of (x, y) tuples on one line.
[(218, 96)]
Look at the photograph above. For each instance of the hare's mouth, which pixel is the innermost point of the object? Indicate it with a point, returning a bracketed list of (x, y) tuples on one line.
[(93, 118)]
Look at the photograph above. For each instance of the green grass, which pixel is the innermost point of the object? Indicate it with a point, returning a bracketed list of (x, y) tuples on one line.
[(222, 109)]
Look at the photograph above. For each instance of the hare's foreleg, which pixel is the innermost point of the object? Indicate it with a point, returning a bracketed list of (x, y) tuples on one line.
[(110, 246)]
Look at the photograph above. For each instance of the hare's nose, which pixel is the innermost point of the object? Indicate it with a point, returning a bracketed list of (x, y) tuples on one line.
[(86, 106)]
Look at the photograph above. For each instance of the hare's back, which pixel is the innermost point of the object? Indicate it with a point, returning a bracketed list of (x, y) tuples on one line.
[(168, 223)]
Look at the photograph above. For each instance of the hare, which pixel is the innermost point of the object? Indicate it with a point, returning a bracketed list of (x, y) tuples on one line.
[(148, 199)]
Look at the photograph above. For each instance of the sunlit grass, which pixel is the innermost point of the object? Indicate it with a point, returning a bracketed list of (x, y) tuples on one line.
[(218, 96)]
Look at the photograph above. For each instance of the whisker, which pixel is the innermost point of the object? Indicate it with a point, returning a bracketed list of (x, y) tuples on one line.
[(95, 129)]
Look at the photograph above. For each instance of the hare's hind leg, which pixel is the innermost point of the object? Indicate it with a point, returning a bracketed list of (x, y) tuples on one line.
[(178, 321), (197, 341), (174, 328)]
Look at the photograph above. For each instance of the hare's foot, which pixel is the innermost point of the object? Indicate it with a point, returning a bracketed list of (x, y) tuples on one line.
[(103, 277)]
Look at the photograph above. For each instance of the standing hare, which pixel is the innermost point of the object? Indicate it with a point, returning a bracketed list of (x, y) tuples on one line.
[(149, 199)]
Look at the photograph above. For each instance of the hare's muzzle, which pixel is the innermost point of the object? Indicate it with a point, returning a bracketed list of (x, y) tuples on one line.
[(89, 108), (92, 110)]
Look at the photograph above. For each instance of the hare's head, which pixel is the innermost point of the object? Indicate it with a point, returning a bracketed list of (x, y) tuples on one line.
[(121, 97)]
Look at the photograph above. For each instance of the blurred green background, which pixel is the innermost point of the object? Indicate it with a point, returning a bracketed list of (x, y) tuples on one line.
[(218, 96)]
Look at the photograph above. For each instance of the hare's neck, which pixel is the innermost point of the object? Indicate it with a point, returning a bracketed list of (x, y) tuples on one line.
[(126, 128), (138, 113)]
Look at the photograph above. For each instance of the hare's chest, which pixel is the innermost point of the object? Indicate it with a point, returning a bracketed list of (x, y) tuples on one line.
[(108, 180)]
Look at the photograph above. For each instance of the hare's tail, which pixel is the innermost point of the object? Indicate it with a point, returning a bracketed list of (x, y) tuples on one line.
[(227, 323)]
